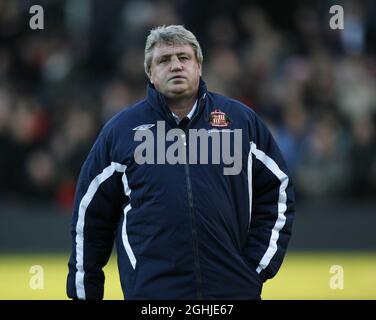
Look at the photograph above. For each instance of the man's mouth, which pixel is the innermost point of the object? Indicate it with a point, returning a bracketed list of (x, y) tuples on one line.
[(176, 77)]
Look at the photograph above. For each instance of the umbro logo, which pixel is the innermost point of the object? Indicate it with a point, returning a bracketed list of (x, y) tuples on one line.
[(144, 127)]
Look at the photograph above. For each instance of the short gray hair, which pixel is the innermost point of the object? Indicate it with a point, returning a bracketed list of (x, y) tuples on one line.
[(173, 34)]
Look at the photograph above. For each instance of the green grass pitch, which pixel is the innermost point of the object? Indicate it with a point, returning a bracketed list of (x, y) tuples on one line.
[(302, 276)]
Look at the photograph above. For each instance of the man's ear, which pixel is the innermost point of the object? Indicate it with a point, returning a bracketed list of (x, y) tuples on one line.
[(150, 77), (200, 69)]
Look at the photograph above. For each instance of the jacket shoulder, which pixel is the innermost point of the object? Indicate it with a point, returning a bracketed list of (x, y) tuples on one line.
[(128, 116), (242, 116), (233, 106)]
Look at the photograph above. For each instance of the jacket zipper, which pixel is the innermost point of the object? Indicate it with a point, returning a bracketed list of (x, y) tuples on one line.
[(193, 225), (192, 212), (191, 208)]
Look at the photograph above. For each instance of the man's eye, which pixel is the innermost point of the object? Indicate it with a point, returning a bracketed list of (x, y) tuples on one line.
[(183, 58)]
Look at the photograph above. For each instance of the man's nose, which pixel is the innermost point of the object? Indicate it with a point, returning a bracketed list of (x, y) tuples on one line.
[(176, 65)]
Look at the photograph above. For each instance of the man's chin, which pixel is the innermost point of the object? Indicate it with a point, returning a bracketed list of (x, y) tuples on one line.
[(177, 92)]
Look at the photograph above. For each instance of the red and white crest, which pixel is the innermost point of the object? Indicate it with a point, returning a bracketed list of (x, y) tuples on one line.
[(219, 118)]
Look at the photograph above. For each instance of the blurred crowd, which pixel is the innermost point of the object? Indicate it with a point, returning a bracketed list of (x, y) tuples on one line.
[(314, 86)]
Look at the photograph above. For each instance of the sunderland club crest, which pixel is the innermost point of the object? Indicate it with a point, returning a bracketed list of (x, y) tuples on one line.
[(219, 119)]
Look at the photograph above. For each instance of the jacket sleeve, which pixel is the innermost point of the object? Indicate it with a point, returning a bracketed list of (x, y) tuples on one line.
[(97, 209), (271, 199)]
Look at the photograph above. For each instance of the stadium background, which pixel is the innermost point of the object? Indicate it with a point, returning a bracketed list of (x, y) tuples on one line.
[(314, 86)]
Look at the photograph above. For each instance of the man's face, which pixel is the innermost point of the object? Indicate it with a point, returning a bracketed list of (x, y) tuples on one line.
[(175, 71)]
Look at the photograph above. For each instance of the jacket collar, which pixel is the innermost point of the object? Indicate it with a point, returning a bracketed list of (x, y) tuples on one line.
[(158, 101)]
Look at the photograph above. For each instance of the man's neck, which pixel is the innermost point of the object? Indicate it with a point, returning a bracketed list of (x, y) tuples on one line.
[(181, 107)]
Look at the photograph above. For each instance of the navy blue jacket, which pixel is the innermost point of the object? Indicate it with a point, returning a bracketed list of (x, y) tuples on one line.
[(182, 231)]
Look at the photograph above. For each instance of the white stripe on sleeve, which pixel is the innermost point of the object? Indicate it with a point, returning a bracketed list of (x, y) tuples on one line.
[(282, 206), (85, 201), (249, 175), (127, 246)]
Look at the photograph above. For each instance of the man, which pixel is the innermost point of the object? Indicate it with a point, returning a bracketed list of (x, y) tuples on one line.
[(184, 228)]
